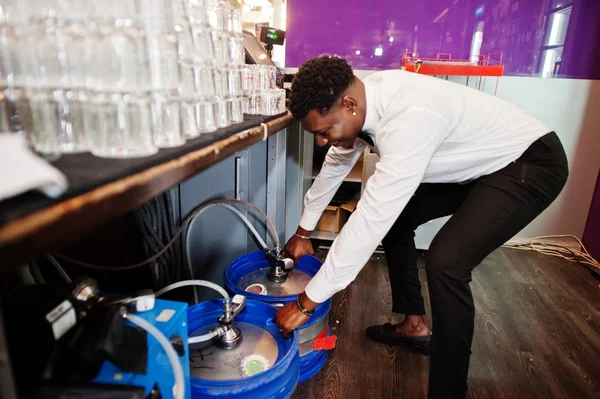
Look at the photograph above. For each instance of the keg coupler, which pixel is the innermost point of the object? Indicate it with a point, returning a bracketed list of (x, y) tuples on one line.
[(280, 266), (227, 336)]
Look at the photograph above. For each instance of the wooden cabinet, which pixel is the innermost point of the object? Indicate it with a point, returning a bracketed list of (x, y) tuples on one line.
[(219, 237)]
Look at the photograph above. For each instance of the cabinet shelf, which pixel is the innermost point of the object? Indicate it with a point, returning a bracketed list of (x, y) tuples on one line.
[(100, 189), (323, 235), (355, 175)]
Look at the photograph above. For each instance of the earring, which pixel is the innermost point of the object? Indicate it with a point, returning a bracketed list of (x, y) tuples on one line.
[(354, 113)]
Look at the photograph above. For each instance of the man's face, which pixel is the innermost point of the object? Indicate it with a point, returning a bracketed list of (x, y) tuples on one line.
[(338, 127)]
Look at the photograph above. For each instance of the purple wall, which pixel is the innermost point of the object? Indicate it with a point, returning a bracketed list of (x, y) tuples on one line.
[(550, 38), (591, 236)]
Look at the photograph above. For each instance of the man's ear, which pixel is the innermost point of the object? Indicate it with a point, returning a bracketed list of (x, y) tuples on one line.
[(349, 103)]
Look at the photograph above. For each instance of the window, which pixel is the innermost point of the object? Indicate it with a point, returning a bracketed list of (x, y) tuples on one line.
[(556, 31), (551, 61), (556, 27), (560, 3)]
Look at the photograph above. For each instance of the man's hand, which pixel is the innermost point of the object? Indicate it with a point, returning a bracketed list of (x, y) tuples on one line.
[(297, 247), (290, 318)]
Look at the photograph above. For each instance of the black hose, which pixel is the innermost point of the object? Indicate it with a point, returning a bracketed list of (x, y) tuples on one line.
[(158, 214), (148, 245), (173, 230), (154, 242), (166, 233), (138, 215), (156, 222), (155, 233), (169, 225), (176, 237)]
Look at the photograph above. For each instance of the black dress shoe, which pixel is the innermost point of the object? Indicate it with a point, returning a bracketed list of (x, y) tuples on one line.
[(386, 334)]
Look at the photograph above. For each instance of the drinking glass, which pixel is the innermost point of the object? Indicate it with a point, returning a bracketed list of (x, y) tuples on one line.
[(214, 11), (45, 118), (237, 114), (248, 79), (72, 126), (198, 13), (221, 80), (167, 121), (276, 101), (235, 48), (234, 75), (189, 122), (205, 114), (222, 113), (122, 126), (6, 112), (254, 103), (205, 49), (204, 83), (221, 43)]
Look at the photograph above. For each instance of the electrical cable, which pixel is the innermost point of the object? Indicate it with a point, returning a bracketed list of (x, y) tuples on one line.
[(168, 348), (151, 228), (539, 245), (157, 223), (270, 226), (151, 222), (153, 244), (171, 229), (148, 249), (37, 274), (156, 228), (139, 221), (59, 268), (163, 234)]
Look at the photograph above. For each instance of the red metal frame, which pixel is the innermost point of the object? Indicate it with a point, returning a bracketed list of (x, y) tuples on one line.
[(445, 65)]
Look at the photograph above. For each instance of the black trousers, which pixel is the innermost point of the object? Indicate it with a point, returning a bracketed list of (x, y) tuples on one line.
[(485, 214)]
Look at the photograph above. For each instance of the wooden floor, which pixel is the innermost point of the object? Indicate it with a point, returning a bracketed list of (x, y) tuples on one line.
[(537, 335)]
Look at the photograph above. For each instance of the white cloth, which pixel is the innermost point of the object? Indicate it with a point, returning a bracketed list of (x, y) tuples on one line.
[(425, 130), (21, 170)]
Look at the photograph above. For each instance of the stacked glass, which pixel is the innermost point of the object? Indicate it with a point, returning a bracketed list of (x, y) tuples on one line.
[(42, 73), (120, 115), (261, 97), (118, 78), (225, 26)]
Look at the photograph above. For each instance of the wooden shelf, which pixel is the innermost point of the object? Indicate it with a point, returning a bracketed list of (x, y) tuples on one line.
[(355, 175), (324, 235), (33, 226), (330, 236)]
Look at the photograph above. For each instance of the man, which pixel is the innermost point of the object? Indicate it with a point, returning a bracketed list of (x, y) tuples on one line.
[(445, 149)]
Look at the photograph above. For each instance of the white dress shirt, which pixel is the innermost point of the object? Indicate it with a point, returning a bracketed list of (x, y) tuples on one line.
[(425, 130)]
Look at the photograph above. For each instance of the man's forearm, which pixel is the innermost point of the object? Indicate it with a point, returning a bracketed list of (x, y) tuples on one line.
[(338, 163), (302, 232), (307, 303)]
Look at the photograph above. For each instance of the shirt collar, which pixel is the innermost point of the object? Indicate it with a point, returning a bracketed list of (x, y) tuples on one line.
[(367, 133), (371, 117)]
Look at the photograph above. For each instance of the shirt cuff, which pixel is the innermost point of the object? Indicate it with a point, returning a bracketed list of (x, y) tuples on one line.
[(309, 220), (319, 290)]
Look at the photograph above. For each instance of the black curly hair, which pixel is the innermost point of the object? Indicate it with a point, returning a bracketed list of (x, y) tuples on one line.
[(318, 83)]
